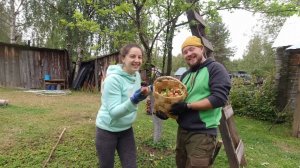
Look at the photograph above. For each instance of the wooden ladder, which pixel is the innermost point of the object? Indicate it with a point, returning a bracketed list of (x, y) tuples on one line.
[(234, 146)]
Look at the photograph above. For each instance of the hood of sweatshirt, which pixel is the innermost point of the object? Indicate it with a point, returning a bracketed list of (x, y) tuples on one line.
[(118, 70)]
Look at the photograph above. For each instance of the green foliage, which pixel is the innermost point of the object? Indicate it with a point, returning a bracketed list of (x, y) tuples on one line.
[(219, 36), (259, 58), (123, 7), (254, 101), (270, 27), (84, 24), (4, 25), (161, 145), (274, 7), (177, 62), (102, 27)]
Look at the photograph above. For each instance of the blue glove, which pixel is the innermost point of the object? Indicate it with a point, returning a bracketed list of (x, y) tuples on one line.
[(178, 108), (137, 97)]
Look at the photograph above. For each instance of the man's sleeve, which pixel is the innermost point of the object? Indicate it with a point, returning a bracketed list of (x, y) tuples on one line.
[(220, 85)]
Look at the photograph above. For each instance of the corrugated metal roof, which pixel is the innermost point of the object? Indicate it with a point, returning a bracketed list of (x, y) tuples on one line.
[(180, 71), (289, 34)]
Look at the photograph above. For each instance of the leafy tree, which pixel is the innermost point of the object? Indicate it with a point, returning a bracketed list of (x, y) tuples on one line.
[(178, 61), (219, 36), (259, 58), (4, 25), (11, 10), (271, 26), (49, 21)]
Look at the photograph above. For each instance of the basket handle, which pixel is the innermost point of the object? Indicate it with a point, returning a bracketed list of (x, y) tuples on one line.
[(167, 77), (170, 78)]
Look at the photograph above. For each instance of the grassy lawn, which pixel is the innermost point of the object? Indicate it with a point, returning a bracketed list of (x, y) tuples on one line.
[(31, 124)]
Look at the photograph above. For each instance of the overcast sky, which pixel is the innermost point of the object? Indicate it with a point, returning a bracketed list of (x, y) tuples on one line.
[(240, 24)]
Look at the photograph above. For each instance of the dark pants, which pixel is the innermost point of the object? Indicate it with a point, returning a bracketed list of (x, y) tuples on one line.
[(194, 150), (106, 144)]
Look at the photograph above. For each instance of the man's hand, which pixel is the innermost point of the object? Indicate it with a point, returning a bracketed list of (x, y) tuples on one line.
[(178, 108), (161, 115), (137, 97)]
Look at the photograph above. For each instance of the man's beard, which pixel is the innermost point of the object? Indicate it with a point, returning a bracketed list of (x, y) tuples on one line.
[(195, 66)]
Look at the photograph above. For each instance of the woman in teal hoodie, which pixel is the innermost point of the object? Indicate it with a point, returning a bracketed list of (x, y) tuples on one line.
[(121, 93)]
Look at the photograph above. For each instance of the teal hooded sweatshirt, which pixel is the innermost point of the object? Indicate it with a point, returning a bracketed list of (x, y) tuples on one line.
[(117, 112)]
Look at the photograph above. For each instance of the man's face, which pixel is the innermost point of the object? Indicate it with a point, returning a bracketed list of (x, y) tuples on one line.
[(193, 55)]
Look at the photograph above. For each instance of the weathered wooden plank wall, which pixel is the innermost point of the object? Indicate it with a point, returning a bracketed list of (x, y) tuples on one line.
[(294, 74), (25, 67), (2, 65), (101, 65), (281, 77), (288, 82)]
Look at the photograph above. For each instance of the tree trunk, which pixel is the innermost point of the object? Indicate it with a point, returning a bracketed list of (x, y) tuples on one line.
[(156, 121), (170, 37), (78, 62), (12, 22), (165, 51)]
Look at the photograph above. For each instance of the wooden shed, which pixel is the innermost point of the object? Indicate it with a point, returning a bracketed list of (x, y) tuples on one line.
[(92, 72), (25, 66), (287, 46)]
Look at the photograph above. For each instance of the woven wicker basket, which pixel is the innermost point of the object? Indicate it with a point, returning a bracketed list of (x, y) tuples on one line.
[(163, 103)]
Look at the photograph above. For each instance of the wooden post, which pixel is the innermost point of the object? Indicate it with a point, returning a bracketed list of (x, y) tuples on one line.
[(296, 117), (96, 76), (199, 29), (78, 62)]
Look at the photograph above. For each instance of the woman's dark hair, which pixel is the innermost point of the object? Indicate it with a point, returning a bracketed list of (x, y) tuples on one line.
[(125, 49)]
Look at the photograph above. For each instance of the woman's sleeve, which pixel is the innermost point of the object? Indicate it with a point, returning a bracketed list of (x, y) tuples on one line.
[(112, 98)]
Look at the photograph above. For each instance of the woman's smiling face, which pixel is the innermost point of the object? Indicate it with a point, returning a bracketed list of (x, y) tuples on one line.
[(132, 61)]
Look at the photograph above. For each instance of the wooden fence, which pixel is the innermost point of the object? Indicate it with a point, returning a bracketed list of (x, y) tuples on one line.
[(25, 67)]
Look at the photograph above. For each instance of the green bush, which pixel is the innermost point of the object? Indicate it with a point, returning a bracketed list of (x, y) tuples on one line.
[(254, 101)]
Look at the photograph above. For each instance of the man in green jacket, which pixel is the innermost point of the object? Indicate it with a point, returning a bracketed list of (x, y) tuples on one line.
[(208, 85)]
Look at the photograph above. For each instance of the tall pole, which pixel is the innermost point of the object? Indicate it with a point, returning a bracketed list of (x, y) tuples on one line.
[(198, 29)]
